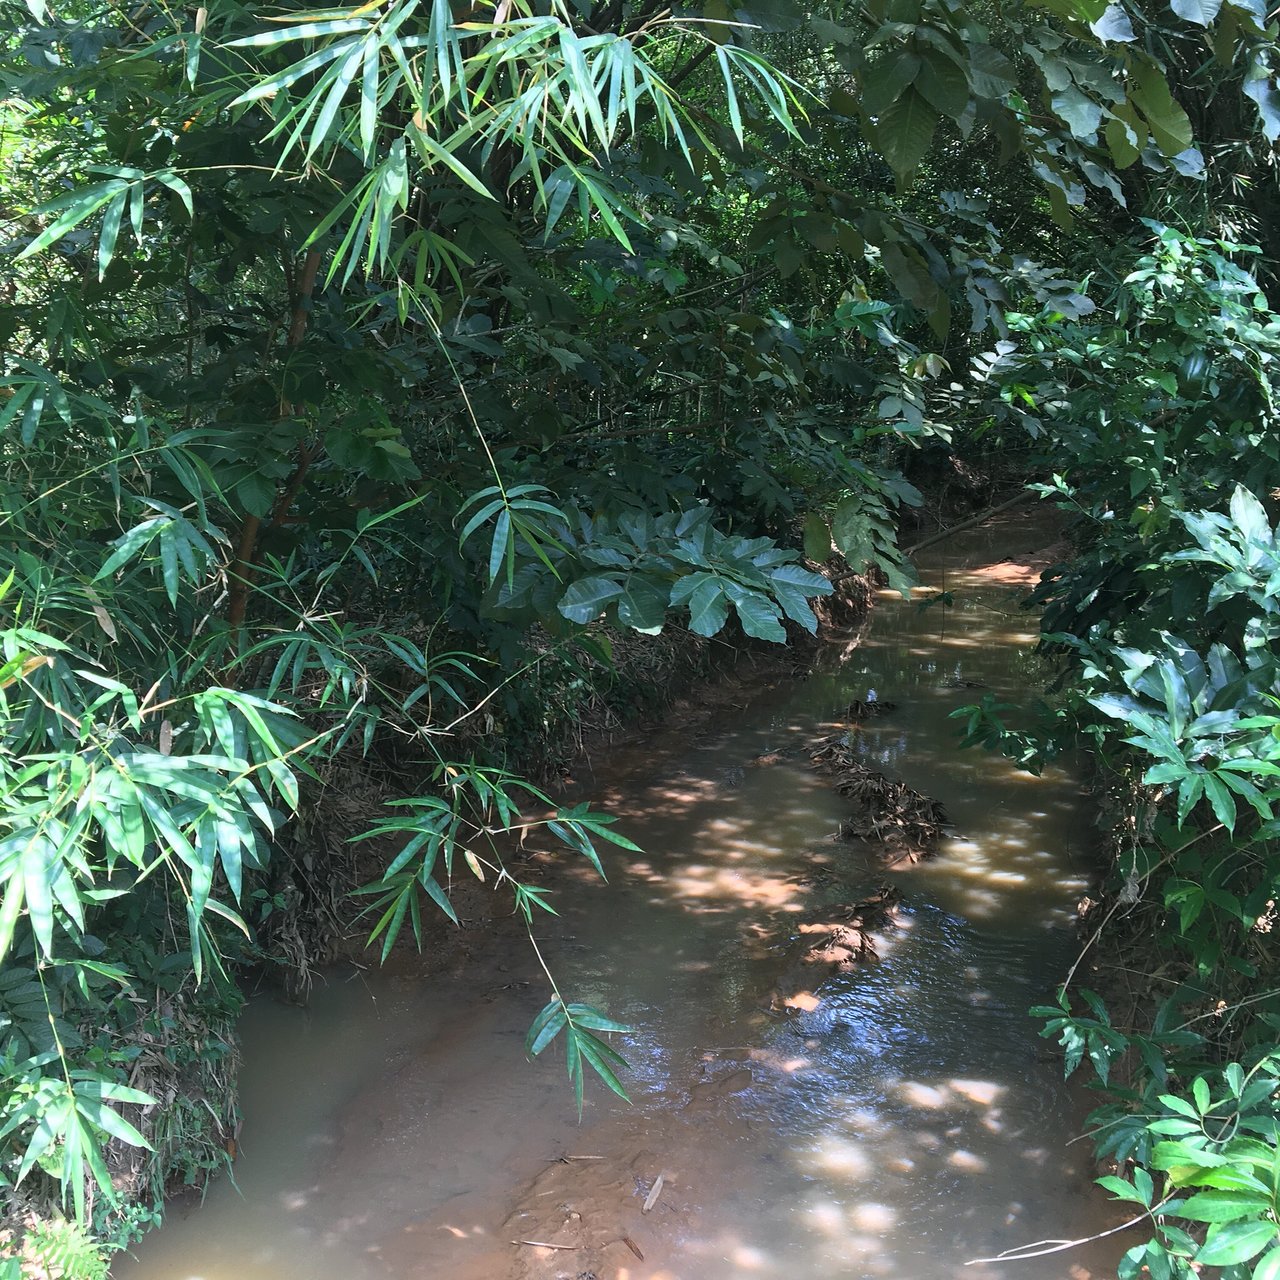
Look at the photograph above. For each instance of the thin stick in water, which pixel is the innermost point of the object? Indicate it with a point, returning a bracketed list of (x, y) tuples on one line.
[(1039, 1248)]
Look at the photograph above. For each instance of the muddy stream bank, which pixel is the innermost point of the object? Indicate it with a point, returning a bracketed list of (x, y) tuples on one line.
[(893, 1117)]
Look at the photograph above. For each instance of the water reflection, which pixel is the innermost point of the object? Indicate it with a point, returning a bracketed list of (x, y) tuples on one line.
[(895, 1120)]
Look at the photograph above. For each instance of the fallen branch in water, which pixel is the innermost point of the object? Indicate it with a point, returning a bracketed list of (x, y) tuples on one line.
[(1039, 1248), (546, 1244), (968, 524)]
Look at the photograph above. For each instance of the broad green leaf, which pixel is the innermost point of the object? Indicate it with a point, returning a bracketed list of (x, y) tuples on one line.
[(1269, 1267), (910, 274), (904, 132), (1169, 124), (1201, 12), (1250, 517), (1114, 26), (887, 80), (1235, 1242), (642, 605), (1121, 1189), (1081, 113), (1122, 142), (943, 84), (586, 599), (1223, 1206), (1266, 98), (1200, 1092), (757, 614), (708, 606), (991, 74), (817, 538), (792, 586)]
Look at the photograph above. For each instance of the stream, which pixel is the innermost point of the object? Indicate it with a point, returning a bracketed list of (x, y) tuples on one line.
[(897, 1119)]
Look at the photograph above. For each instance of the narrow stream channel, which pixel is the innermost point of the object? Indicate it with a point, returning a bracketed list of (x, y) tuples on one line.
[(896, 1120)]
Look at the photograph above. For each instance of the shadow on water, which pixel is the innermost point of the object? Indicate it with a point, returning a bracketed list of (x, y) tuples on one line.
[(895, 1120)]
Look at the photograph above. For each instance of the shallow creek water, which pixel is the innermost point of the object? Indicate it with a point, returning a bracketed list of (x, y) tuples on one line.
[(893, 1121)]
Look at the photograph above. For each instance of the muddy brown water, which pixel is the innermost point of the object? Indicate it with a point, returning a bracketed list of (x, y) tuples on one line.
[(897, 1120)]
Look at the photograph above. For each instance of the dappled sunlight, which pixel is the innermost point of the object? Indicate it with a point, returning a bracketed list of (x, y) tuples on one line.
[(982, 1092), (730, 887), (923, 1096), (950, 1094), (820, 1109), (871, 1216), (804, 1001), (748, 1258), (827, 1217), (1009, 873), (843, 1158)]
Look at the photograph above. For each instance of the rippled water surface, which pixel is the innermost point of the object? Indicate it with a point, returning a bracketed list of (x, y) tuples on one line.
[(897, 1120)]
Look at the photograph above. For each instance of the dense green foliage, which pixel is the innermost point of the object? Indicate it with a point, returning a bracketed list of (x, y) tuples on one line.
[(368, 373), (1158, 415)]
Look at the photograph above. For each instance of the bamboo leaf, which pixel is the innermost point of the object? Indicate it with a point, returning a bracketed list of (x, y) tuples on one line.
[(432, 152), (110, 230), (82, 206), (346, 73), (303, 31), (546, 1026), (369, 101), (272, 85)]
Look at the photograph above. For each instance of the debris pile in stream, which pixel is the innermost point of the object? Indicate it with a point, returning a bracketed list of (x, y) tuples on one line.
[(839, 937), (860, 709), (906, 824), (596, 1216), (845, 933)]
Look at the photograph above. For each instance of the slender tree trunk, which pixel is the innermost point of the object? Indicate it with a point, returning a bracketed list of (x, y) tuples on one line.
[(241, 573)]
